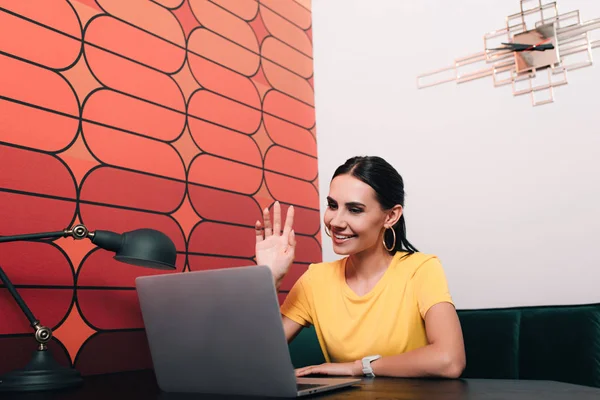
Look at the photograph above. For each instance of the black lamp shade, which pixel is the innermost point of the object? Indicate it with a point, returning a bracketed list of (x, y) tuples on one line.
[(143, 247)]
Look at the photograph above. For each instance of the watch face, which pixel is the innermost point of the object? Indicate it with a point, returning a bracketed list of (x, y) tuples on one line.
[(542, 51)]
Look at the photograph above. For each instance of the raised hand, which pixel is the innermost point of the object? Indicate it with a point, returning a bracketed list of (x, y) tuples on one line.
[(275, 248)]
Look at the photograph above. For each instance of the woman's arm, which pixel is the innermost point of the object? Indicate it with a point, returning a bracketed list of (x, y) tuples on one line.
[(444, 356), (291, 328)]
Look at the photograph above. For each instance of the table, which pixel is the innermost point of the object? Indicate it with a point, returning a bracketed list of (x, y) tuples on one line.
[(142, 385)]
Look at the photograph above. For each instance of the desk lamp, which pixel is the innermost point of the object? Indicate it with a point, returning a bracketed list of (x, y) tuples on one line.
[(141, 247)]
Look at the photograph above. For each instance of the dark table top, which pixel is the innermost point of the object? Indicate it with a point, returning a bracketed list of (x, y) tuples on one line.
[(142, 385)]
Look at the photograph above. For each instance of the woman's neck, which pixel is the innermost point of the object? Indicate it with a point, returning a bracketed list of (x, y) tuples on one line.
[(368, 264)]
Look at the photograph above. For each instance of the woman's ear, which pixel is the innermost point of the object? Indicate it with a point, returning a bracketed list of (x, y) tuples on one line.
[(393, 215)]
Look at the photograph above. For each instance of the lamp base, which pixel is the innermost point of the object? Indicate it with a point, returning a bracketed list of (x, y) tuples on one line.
[(42, 373)]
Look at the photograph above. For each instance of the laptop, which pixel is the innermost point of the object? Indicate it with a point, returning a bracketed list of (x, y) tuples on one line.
[(220, 332)]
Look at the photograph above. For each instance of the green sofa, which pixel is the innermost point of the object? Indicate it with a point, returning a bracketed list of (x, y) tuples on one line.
[(560, 343)]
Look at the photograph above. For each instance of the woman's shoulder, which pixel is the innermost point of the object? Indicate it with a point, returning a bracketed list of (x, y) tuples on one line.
[(416, 258), (413, 262), (325, 268)]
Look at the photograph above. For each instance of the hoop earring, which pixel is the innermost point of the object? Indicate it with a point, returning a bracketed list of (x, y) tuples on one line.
[(327, 231), (394, 244)]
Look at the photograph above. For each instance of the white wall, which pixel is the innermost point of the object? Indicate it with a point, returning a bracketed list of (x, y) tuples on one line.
[(506, 194)]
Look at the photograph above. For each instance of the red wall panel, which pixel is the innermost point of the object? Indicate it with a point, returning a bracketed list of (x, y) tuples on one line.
[(186, 116)]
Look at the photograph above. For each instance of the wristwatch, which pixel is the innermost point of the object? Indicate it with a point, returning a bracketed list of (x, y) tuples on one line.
[(366, 365)]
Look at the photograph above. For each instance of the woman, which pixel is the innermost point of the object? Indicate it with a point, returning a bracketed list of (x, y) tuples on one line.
[(384, 309)]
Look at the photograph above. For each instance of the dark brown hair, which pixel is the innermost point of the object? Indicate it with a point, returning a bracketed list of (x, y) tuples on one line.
[(389, 188)]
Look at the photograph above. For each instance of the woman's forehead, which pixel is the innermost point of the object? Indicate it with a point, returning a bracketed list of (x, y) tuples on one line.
[(345, 188)]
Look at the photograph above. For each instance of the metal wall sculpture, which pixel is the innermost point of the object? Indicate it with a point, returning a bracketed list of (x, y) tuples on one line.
[(533, 53)]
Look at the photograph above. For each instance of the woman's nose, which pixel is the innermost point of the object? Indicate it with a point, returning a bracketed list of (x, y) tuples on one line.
[(337, 221)]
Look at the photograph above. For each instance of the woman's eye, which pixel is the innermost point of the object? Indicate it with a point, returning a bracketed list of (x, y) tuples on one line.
[(332, 206), (355, 210)]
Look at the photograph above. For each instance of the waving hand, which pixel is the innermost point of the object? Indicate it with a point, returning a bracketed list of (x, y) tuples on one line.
[(274, 247)]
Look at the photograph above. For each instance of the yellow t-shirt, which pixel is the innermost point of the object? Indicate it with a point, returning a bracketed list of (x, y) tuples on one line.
[(388, 320)]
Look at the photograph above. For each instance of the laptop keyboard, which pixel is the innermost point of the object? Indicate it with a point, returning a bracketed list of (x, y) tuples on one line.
[(304, 386)]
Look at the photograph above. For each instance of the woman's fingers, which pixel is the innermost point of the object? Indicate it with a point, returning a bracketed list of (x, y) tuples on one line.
[(274, 228), (313, 369), (289, 221), (277, 219), (259, 233), (267, 220)]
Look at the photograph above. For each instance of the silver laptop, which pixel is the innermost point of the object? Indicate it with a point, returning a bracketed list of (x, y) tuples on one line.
[(220, 332)]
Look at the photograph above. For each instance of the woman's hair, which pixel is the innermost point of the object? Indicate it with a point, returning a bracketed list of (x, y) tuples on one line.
[(389, 189)]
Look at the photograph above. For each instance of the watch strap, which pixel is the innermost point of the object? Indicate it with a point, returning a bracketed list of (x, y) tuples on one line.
[(366, 365)]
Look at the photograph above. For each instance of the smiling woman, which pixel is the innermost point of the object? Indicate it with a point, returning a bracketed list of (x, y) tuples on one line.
[(384, 308)]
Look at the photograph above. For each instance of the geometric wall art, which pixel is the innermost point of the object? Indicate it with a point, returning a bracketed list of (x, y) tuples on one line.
[(533, 53), (184, 116)]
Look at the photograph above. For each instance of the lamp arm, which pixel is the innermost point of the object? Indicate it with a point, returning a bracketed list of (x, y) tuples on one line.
[(77, 232), (42, 333), (11, 289), (33, 236)]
